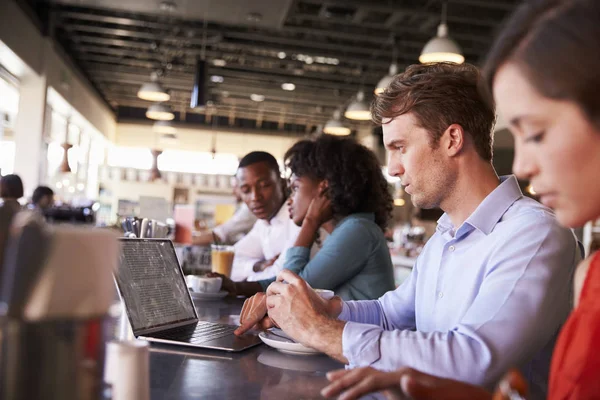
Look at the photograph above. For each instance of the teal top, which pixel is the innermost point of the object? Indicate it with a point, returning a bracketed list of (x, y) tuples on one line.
[(354, 261)]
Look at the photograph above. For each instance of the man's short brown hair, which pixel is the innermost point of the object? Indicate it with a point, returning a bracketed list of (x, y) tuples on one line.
[(439, 95)]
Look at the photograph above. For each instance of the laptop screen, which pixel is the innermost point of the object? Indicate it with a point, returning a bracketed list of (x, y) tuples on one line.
[(152, 284)]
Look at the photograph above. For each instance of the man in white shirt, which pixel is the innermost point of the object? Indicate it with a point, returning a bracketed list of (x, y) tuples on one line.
[(260, 254)]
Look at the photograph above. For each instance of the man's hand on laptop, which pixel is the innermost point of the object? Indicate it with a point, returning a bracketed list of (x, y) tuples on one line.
[(297, 309), (254, 314)]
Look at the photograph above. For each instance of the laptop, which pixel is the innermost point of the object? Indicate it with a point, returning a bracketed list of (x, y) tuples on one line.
[(158, 303)]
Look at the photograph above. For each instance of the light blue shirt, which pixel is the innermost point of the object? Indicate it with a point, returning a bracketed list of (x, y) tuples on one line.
[(490, 296), (354, 261)]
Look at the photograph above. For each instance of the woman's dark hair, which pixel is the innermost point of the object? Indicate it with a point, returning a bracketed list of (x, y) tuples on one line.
[(356, 181), (555, 44), (11, 187)]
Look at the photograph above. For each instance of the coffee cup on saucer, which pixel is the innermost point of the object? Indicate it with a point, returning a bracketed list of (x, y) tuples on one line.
[(204, 284)]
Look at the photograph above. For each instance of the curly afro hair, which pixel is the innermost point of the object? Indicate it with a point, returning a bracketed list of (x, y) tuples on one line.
[(356, 181)]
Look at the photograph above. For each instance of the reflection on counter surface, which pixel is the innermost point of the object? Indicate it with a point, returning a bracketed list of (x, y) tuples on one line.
[(258, 373)]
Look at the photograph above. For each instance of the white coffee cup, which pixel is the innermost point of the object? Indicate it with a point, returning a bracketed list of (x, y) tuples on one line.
[(325, 293), (203, 284)]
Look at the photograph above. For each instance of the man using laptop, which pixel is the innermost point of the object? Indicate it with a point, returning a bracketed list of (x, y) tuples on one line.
[(492, 285)]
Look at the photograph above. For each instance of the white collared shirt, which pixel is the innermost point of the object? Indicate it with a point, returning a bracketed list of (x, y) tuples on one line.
[(266, 240)]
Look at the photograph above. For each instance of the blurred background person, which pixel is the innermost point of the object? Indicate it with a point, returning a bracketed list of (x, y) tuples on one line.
[(234, 229), (11, 190), (42, 198)]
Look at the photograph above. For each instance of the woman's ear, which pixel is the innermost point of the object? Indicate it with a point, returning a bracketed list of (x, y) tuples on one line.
[(323, 186)]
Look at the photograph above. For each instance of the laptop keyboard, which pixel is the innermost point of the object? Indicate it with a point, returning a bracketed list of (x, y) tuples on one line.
[(200, 333)]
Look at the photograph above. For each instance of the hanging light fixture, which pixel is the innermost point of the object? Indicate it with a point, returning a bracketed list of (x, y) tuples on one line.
[(358, 109), (165, 127), (160, 112), (153, 91), (442, 47), (386, 80), (335, 126)]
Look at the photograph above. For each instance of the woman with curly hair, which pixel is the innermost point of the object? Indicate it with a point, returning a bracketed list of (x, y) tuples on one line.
[(337, 184), (338, 191)]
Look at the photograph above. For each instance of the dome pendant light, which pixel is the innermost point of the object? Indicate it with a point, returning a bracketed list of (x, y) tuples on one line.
[(153, 91), (160, 112), (335, 126), (386, 80), (442, 48), (358, 109)]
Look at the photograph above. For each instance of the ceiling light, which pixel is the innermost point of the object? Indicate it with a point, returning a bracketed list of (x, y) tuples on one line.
[(216, 79), (153, 91), (358, 109), (288, 86), (386, 80), (442, 48), (257, 97), (164, 127), (219, 62), (308, 60), (335, 126), (160, 112), (399, 202), (281, 55)]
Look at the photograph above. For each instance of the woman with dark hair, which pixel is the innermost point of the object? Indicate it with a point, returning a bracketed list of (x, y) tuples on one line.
[(338, 184), (543, 73), (338, 191)]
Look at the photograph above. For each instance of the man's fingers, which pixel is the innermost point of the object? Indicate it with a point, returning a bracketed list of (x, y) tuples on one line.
[(246, 326), (276, 288), (342, 380), (336, 374), (272, 302), (289, 277), (265, 323)]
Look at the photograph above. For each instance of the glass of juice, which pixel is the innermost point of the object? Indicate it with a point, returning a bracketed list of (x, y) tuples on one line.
[(222, 259)]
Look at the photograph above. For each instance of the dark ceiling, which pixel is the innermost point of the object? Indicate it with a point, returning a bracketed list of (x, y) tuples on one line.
[(117, 44)]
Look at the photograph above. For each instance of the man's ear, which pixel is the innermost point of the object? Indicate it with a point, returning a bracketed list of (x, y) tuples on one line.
[(454, 139)]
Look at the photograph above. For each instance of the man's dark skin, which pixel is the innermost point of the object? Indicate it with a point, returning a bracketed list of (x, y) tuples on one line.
[(262, 189)]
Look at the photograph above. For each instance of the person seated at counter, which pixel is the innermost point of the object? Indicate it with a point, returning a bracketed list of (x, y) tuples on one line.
[(491, 287), (11, 190), (336, 184), (234, 229), (42, 198), (264, 191)]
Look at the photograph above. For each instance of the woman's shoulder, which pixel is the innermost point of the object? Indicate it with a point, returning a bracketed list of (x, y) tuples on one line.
[(358, 222)]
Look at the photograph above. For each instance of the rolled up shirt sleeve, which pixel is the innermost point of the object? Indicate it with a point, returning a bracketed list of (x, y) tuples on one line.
[(518, 309)]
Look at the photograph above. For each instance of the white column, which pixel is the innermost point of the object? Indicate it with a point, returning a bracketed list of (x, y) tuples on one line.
[(30, 157)]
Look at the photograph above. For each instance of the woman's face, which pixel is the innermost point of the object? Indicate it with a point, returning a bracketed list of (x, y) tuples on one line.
[(304, 189), (556, 147)]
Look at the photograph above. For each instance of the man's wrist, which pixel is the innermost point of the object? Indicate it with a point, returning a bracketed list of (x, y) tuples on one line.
[(335, 307), (325, 334)]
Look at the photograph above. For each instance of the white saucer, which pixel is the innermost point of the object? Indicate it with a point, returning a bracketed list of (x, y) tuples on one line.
[(282, 342), (208, 296)]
